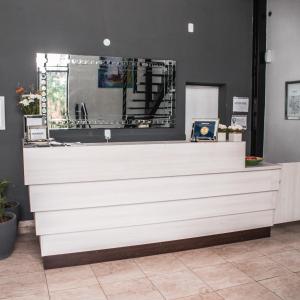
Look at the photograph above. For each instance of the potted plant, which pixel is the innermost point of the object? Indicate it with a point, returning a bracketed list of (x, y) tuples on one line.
[(222, 132), (235, 133), (8, 227), (10, 206)]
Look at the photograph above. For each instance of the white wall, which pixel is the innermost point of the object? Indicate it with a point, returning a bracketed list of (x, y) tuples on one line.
[(282, 137), (201, 102)]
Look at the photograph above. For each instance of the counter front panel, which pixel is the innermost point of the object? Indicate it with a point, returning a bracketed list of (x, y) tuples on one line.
[(103, 197)]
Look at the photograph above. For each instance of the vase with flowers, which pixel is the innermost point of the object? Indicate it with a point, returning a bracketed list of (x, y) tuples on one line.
[(222, 133), (235, 133), (29, 101)]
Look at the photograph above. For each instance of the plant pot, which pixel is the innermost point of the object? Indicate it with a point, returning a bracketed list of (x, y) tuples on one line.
[(221, 136), (8, 233), (235, 137), (14, 207)]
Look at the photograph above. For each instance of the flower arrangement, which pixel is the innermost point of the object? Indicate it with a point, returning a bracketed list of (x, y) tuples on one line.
[(30, 101), (235, 129), (222, 128)]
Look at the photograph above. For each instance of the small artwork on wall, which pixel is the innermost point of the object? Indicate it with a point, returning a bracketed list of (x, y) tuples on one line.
[(292, 100), (111, 73)]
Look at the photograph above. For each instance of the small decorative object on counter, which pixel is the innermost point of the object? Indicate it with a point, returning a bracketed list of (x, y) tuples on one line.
[(222, 133), (204, 130), (253, 161), (235, 133), (30, 101)]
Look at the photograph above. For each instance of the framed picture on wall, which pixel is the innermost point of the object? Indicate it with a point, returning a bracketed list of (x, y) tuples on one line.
[(292, 100)]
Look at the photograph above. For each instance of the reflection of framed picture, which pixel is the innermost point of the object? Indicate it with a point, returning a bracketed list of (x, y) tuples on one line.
[(292, 100), (204, 130), (111, 73)]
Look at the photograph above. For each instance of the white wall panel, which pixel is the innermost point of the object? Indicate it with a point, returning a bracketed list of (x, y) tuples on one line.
[(136, 235), (95, 194), (64, 221), (288, 204), (201, 102), (127, 161)]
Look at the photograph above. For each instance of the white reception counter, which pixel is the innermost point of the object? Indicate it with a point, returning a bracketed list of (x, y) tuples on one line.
[(111, 201)]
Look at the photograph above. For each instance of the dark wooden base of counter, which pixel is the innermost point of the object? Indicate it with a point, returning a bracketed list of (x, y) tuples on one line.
[(81, 258)]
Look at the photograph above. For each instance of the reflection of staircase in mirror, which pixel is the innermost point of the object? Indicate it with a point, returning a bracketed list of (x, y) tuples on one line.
[(153, 94)]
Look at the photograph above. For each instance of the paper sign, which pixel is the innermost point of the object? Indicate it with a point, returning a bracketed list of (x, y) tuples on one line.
[(2, 113), (239, 120), (34, 121), (240, 104), (36, 134)]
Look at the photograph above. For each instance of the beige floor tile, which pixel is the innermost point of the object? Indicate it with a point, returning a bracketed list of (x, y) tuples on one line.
[(22, 285), (222, 276), (200, 258), (27, 245), (160, 264), (43, 296), (286, 287), (93, 292), (209, 296), (236, 251), (20, 263), (260, 268), (22, 268), (117, 271), (268, 246), (289, 259), (180, 284), (251, 291), (141, 289), (21, 258), (153, 295), (278, 229), (291, 239), (28, 237), (293, 227), (69, 278)]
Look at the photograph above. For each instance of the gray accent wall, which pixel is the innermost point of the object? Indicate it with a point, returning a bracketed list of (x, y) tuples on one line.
[(282, 142), (219, 52)]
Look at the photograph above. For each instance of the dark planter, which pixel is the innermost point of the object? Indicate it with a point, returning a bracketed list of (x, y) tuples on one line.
[(8, 233), (14, 207)]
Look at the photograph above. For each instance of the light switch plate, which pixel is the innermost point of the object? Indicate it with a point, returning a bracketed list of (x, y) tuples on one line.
[(2, 113)]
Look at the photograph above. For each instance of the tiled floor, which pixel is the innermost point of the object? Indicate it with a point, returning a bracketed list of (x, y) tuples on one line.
[(265, 269)]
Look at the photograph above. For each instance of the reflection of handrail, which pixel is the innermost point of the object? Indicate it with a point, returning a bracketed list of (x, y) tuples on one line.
[(84, 115), (77, 114)]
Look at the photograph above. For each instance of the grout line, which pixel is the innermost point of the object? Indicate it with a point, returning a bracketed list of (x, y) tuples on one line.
[(99, 283), (48, 291), (270, 290), (149, 278)]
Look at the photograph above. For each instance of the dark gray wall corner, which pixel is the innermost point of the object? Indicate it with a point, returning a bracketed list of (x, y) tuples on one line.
[(218, 52)]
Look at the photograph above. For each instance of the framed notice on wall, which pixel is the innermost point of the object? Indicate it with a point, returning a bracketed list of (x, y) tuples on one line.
[(292, 100), (2, 113)]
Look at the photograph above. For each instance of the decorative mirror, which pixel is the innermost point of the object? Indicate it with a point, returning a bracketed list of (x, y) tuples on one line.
[(106, 92)]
